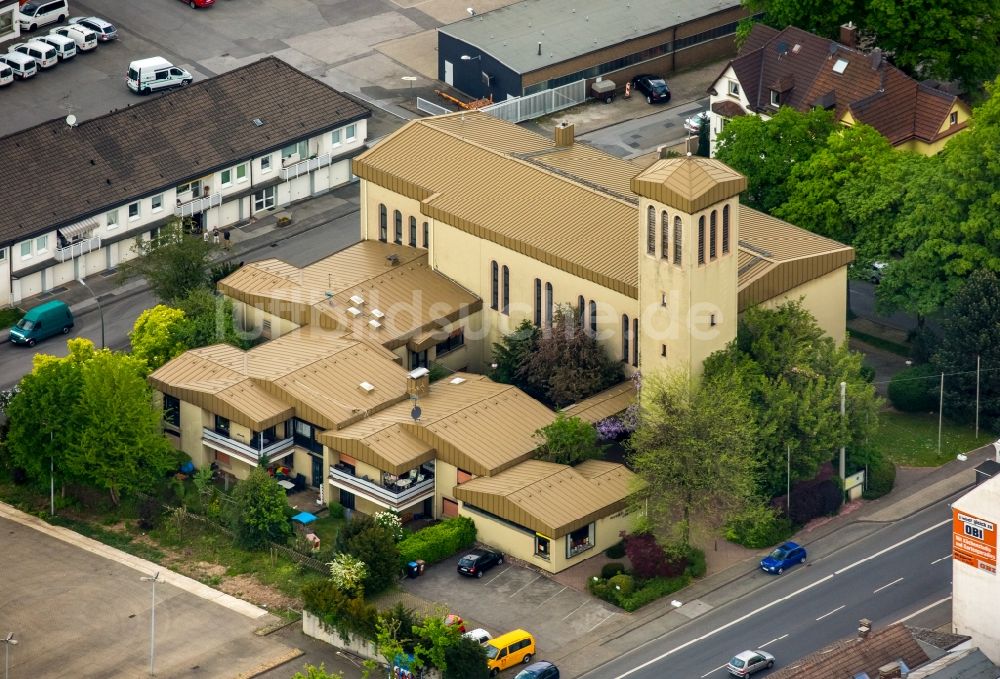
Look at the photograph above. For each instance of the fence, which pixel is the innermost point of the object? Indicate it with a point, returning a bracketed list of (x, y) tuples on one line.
[(431, 108), (540, 103)]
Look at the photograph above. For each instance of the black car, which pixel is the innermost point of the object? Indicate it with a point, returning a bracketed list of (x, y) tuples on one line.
[(478, 561), (539, 670), (654, 87)]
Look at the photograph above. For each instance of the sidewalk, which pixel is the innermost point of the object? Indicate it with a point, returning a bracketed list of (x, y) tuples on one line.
[(917, 492)]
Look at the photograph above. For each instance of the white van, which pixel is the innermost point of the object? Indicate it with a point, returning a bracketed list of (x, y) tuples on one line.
[(65, 47), (153, 74), (23, 66), (42, 52), (85, 38), (6, 74), (31, 15)]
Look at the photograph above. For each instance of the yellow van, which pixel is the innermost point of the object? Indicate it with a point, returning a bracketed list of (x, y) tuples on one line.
[(508, 650)]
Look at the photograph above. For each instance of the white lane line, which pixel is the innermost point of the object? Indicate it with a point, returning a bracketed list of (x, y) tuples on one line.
[(770, 642), (925, 608), (710, 672), (941, 559), (497, 575), (551, 597), (830, 613), (524, 587), (613, 614), (575, 609), (876, 591), (892, 547)]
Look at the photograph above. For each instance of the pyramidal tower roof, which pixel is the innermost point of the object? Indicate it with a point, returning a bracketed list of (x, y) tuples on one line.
[(690, 183)]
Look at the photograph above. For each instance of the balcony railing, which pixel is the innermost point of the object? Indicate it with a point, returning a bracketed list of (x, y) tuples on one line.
[(247, 453), (304, 166), (81, 247), (198, 205), (379, 494)]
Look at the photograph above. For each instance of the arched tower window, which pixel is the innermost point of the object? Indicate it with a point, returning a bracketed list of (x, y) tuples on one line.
[(593, 317), (548, 304), (635, 342), (397, 219), (506, 291), (678, 235), (651, 230), (701, 239), (664, 235), (494, 284), (725, 230), (712, 233), (413, 231), (625, 330), (383, 223)]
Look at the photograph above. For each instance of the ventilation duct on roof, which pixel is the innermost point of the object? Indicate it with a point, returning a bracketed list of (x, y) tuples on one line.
[(367, 386), (457, 380), (357, 300), (377, 314), (375, 324), (353, 311)]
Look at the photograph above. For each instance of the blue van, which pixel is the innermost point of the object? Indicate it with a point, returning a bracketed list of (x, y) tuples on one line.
[(42, 322)]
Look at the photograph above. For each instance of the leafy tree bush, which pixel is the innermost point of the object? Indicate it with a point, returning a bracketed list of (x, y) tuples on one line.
[(465, 659), (649, 559), (348, 573), (881, 478), (159, 334), (810, 501), (512, 351), (623, 583), (757, 527), (313, 672), (258, 513), (697, 566), (615, 551), (568, 440), (392, 523), (645, 592), (338, 611), (613, 568), (374, 544), (914, 389), (174, 264), (438, 542)]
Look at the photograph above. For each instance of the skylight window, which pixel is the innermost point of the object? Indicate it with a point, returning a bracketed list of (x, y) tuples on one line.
[(840, 66)]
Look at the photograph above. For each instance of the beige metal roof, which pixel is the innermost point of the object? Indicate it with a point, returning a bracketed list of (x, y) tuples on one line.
[(691, 183), (405, 299), (555, 202), (605, 404), (476, 424), (551, 499)]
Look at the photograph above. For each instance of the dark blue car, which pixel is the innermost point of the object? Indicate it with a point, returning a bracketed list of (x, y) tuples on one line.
[(785, 556)]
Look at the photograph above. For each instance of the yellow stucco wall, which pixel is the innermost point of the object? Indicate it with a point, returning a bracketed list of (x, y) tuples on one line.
[(922, 147), (825, 298), (192, 423)]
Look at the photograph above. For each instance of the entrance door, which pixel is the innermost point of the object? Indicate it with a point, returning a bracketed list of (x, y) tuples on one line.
[(449, 72), (317, 471)]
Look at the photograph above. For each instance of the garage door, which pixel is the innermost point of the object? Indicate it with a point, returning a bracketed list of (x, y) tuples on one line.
[(449, 508)]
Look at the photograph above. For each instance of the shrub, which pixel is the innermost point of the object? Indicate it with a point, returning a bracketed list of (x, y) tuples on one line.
[(622, 584), (338, 611), (812, 500), (610, 570), (438, 542), (881, 477), (336, 510), (652, 590), (831, 496), (758, 526), (648, 558), (696, 564), (465, 659), (149, 513), (615, 551), (365, 539), (348, 573), (913, 390), (392, 523)]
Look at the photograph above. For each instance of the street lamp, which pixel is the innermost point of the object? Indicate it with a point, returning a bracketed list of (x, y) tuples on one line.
[(152, 620), (99, 308), (466, 57), (8, 641)]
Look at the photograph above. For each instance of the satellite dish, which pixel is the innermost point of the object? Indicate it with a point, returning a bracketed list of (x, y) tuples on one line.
[(71, 120), (415, 413)]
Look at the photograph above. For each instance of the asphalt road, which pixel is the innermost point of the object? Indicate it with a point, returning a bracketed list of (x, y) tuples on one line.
[(120, 312), (891, 574), (632, 138)]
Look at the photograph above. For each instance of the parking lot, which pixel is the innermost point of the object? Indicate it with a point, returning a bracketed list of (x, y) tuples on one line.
[(510, 597)]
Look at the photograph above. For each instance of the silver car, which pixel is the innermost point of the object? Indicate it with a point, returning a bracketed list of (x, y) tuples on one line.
[(748, 662)]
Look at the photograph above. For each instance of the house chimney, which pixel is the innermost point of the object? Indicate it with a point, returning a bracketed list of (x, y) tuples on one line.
[(418, 382), (864, 627), (849, 35), (876, 57), (891, 671), (564, 134)]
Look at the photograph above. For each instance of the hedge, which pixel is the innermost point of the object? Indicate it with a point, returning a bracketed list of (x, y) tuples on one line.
[(757, 527), (338, 611), (438, 542), (881, 478), (644, 593)]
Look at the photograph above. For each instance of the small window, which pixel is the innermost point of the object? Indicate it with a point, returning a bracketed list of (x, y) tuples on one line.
[(538, 301), (548, 304), (222, 425), (635, 342), (227, 177), (505, 309), (154, 234), (701, 240), (725, 230), (455, 340), (26, 249), (335, 137), (651, 231), (494, 285), (133, 210), (265, 164), (41, 244), (171, 410), (542, 548), (734, 88), (351, 132), (712, 233), (711, 320), (397, 221), (112, 218), (241, 172), (953, 118), (840, 66), (625, 331), (383, 223), (413, 232), (663, 350), (664, 235), (156, 202), (774, 99), (427, 235), (3, 254), (678, 229), (593, 317)]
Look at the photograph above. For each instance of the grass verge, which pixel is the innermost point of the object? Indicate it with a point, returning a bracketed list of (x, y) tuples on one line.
[(911, 439)]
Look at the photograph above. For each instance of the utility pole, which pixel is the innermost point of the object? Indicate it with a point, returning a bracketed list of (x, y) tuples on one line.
[(152, 622), (843, 414), (788, 480)]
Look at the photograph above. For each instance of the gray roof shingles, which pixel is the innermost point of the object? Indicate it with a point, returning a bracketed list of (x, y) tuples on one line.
[(53, 175)]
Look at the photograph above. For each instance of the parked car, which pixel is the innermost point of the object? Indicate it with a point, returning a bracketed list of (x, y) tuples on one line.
[(6, 74), (746, 663), (478, 561), (654, 87), (31, 15), (105, 31), (65, 47), (785, 556), (452, 620), (41, 322), (24, 67), (479, 635), (44, 54), (156, 73), (694, 123), (508, 650), (195, 4), (85, 38), (539, 670)]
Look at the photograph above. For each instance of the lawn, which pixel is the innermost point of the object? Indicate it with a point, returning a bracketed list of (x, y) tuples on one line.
[(911, 439)]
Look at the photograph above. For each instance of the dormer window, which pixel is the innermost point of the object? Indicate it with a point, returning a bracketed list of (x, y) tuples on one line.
[(734, 88), (953, 118), (774, 98)]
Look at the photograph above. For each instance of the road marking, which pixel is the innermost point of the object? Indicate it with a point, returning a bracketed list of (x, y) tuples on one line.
[(925, 608), (876, 591), (551, 597), (497, 575), (770, 642), (575, 609), (530, 582), (613, 614), (720, 667), (830, 613), (941, 559), (892, 547)]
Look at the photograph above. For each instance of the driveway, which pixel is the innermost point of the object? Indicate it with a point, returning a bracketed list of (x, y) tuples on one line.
[(510, 597)]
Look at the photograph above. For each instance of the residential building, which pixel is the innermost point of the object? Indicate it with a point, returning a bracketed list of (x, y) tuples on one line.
[(795, 68), (220, 152), (370, 435), (975, 589), (535, 45), (658, 261)]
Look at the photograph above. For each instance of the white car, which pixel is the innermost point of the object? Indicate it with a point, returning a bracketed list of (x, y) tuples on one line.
[(85, 38), (105, 30), (479, 635), (694, 123), (44, 54), (749, 662)]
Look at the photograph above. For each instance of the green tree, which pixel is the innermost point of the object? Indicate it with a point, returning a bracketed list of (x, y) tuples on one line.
[(259, 511), (568, 440), (159, 334), (970, 329), (119, 446), (388, 635), (434, 638), (510, 353), (465, 659), (694, 451), (209, 320), (375, 545), (704, 139), (568, 363), (767, 150), (822, 17), (174, 264), (313, 672), (792, 372)]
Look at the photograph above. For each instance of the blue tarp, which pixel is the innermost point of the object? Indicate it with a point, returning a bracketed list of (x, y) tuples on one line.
[(304, 518)]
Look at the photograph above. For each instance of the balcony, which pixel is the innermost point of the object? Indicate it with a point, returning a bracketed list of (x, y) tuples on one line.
[(198, 205), (247, 453), (305, 166), (80, 247), (396, 495)]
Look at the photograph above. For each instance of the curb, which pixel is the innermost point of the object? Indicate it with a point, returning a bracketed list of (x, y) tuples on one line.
[(269, 665)]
